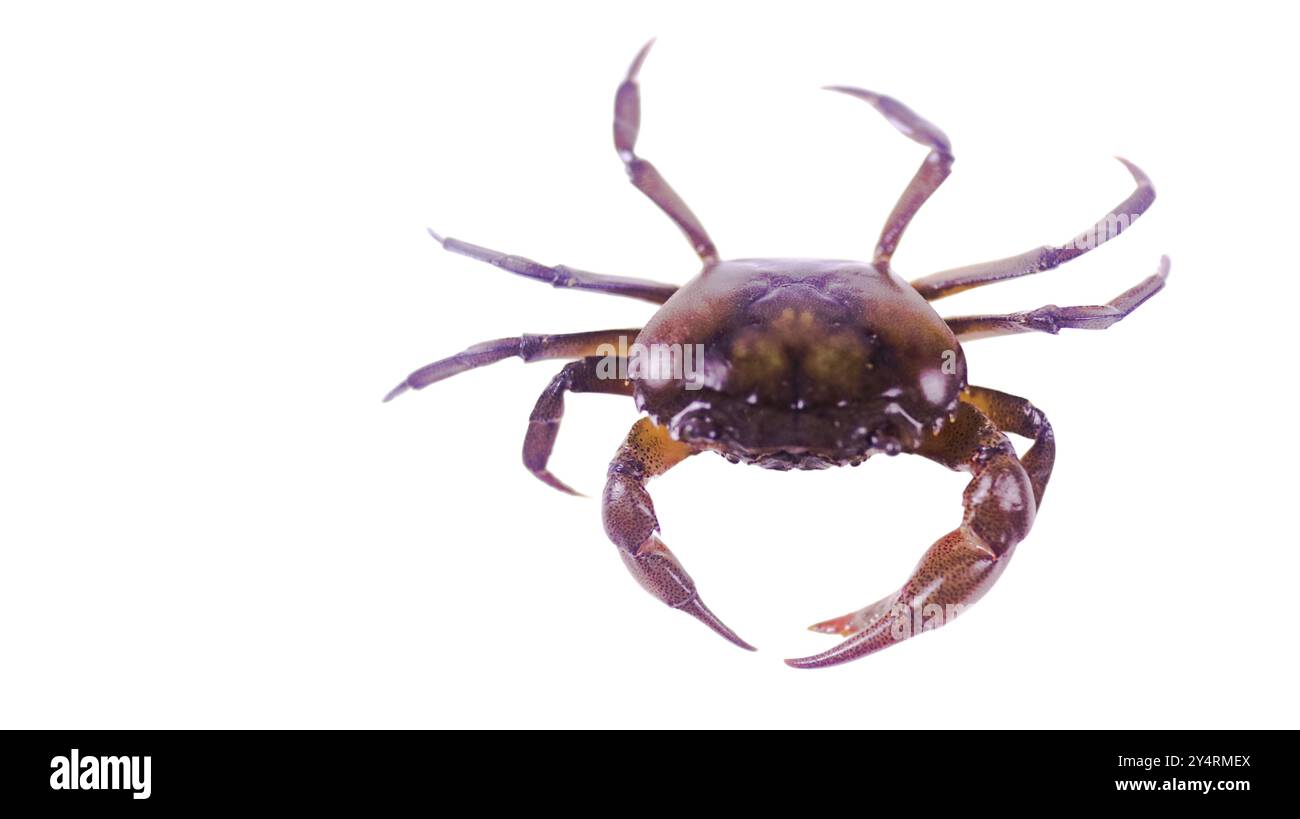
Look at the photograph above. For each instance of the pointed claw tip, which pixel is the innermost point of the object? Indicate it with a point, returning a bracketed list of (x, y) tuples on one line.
[(739, 643), (695, 607), (550, 480), (395, 391), (860, 93), (803, 662), (1138, 174), (437, 238), (814, 661), (635, 68)]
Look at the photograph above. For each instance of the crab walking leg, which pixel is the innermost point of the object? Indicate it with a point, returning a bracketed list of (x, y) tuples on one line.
[(646, 178), (948, 282), (963, 564), (595, 374), (527, 347), (631, 523), (1051, 319), (928, 178), (561, 276)]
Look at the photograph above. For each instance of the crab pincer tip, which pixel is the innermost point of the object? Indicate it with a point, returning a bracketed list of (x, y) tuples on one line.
[(852, 91), (823, 660), (635, 68), (1137, 173), (546, 477), (396, 391), (699, 611)]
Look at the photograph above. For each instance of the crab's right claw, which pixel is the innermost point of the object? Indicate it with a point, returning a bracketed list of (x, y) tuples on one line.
[(659, 572), (631, 523)]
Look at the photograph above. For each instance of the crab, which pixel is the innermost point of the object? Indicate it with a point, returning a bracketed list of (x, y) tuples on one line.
[(805, 364)]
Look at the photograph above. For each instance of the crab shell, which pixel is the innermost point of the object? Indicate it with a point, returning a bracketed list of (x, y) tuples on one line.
[(798, 363)]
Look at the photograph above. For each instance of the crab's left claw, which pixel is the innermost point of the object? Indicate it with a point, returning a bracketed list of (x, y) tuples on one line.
[(956, 572), (631, 523), (1000, 503)]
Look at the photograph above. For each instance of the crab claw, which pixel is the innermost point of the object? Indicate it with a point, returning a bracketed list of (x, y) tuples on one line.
[(631, 524), (1000, 503), (955, 573), (659, 572)]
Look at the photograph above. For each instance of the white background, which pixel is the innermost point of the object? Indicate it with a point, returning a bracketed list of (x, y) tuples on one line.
[(214, 260)]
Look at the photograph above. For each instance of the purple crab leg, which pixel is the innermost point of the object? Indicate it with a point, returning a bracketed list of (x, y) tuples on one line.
[(527, 347), (561, 276), (1052, 319), (646, 178), (934, 169), (948, 282), (587, 375)]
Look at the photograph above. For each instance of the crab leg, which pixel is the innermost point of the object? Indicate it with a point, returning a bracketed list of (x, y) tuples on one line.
[(631, 523), (561, 276), (947, 282), (646, 178), (527, 347), (595, 374), (963, 564), (928, 178), (1051, 319)]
